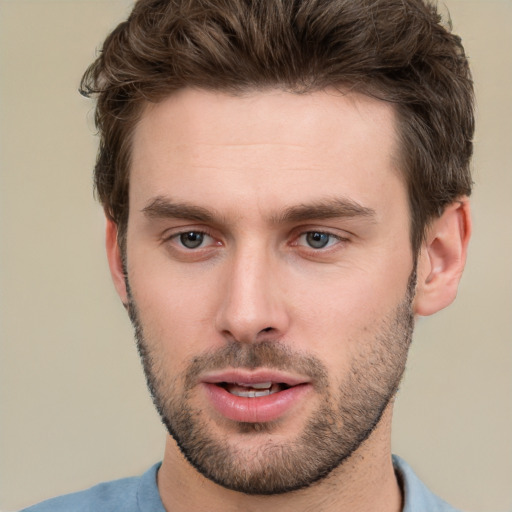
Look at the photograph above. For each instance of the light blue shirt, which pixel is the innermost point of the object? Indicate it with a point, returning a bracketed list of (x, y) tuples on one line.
[(417, 497), (140, 494)]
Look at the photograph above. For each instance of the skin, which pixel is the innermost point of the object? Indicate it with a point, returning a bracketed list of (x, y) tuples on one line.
[(247, 161)]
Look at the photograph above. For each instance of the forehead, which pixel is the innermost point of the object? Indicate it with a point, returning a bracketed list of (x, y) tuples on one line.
[(266, 146)]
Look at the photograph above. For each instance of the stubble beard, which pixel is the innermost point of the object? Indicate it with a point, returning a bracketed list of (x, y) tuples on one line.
[(334, 431)]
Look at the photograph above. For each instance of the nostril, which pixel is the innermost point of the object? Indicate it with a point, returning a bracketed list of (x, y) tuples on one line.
[(267, 329)]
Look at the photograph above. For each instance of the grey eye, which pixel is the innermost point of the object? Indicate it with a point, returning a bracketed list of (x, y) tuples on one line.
[(192, 239), (317, 240)]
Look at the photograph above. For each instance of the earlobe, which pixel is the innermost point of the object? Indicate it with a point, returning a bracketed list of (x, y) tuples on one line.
[(442, 259), (115, 260)]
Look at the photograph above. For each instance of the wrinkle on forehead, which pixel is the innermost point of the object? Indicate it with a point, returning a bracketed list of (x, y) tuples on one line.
[(207, 110)]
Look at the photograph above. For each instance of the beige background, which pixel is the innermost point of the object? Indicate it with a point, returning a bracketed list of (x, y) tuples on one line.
[(74, 408)]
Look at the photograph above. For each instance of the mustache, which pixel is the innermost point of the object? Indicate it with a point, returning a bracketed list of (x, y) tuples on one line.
[(250, 356)]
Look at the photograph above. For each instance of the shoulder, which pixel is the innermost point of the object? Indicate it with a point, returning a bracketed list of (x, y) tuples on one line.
[(124, 494), (417, 497)]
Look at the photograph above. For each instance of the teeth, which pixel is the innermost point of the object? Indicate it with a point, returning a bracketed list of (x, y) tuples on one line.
[(249, 394), (257, 385), (252, 390)]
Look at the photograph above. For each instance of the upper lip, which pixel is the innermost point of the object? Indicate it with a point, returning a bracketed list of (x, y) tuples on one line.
[(248, 377)]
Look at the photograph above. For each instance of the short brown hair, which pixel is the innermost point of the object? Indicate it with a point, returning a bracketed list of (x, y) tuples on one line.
[(394, 50)]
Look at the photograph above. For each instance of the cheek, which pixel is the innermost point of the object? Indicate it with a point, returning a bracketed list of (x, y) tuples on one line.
[(175, 309), (341, 319), (351, 298)]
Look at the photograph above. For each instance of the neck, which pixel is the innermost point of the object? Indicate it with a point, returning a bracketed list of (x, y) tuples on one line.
[(365, 482)]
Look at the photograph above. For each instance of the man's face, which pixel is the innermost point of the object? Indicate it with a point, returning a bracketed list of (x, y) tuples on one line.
[(270, 278)]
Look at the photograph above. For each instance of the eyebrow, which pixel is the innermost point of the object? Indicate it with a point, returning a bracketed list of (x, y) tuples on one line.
[(162, 207), (326, 209)]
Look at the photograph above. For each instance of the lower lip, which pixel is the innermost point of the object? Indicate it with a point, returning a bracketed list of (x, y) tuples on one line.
[(257, 409)]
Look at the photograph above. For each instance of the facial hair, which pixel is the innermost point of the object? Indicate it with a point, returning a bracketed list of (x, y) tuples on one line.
[(344, 419)]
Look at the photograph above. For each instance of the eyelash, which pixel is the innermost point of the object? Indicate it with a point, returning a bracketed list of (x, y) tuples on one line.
[(332, 239), (201, 234)]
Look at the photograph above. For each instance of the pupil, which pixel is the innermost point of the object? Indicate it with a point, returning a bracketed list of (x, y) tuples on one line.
[(191, 240), (317, 240)]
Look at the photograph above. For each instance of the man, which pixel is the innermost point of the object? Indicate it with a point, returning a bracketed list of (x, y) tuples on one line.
[(285, 185)]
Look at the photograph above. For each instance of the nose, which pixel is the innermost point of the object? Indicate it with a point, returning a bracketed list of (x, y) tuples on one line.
[(252, 306)]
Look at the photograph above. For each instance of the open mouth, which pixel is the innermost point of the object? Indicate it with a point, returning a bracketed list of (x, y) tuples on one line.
[(253, 390), (254, 397)]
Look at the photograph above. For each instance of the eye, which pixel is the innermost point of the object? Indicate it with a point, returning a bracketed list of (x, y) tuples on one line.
[(318, 239), (189, 244), (193, 239)]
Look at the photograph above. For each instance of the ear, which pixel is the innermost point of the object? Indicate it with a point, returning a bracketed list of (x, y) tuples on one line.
[(442, 258), (115, 261)]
